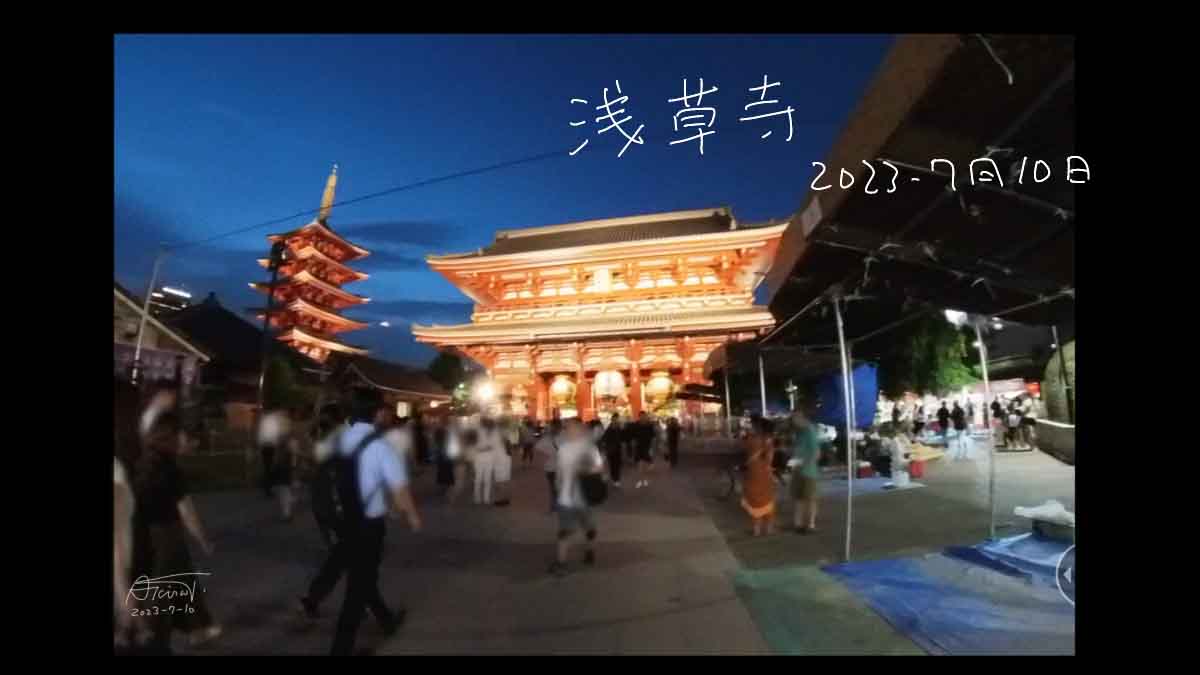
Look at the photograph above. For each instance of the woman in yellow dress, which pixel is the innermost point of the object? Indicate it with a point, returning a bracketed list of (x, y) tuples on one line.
[(758, 488)]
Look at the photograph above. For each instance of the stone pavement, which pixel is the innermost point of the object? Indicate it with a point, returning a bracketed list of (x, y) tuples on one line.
[(475, 581)]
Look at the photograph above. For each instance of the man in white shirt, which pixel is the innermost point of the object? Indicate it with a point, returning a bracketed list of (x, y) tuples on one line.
[(577, 455), (382, 477), (547, 448)]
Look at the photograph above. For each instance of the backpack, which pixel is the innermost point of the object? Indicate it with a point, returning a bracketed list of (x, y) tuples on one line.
[(335, 489)]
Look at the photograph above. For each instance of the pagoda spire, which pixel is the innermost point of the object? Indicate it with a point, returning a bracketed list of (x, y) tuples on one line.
[(327, 198)]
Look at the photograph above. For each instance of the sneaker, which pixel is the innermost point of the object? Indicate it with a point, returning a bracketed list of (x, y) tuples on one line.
[(617, 484), (589, 558), (308, 608), (205, 635)]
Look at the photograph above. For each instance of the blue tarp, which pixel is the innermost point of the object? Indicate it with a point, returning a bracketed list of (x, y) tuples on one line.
[(1027, 556), (949, 605), (830, 393)]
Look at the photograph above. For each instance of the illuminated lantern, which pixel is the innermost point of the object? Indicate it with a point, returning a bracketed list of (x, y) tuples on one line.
[(562, 390), (609, 383), (658, 387)]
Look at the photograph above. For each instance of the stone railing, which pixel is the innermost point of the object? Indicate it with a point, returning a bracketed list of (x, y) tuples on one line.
[(1057, 438)]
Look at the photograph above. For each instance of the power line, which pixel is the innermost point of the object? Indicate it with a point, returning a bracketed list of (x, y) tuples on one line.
[(373, 195)]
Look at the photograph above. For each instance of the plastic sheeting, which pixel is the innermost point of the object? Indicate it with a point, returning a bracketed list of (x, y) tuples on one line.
[(949, 605), (1028, 556), (830, 393)]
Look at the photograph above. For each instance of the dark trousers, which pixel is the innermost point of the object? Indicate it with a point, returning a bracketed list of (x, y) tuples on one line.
[(268, 464), (553, 489), (673, 451), (165, 552), (614, 464), (363, 554)]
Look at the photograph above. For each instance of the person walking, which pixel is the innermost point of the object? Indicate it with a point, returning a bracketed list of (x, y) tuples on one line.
[(806, 452), (525, 437), (165, 514), (611, 442), (490, 445), (758, 488), (918, 419), (673, 431), (578, 455), (959, 418), (644, 435), (445, 464), (943, 417), (369, 470), (547, 448), (272, 429)]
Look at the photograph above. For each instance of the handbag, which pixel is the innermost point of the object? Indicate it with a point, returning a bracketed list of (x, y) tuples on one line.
[(595, 490)]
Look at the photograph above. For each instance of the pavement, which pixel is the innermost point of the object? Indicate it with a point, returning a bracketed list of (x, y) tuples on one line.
[(677, 571)]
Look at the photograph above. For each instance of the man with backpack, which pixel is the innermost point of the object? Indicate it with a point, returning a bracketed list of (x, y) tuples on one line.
[(364, 471)]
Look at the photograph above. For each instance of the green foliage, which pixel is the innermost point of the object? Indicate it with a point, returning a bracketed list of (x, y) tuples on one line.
[(929, 356), (282, 388), (448, 370)]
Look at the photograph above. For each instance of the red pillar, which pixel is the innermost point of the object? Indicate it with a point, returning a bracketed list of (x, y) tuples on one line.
[(542, 396), (583, 397), (635, 391)]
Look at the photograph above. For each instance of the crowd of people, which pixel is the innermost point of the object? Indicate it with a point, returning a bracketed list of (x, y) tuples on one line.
[(358, 461), (1013, 421)]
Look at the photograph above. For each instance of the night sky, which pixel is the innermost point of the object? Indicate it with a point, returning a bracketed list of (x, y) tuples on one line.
[(218, 133)]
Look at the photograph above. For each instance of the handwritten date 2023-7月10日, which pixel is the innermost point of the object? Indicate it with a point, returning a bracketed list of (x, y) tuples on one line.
[(885, 176)]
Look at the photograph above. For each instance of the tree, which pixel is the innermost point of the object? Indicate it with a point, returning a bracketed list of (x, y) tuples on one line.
[(448, 370), (282, 387), (928, 356)]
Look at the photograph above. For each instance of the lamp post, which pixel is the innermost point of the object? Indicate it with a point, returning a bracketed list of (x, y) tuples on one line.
[(278, 253), (135, 375)]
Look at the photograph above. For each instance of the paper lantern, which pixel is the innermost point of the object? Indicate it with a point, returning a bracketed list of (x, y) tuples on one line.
[(562, 390), (659, 386), (609, 383)]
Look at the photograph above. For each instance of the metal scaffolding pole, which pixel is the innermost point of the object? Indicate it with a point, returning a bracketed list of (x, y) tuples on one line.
[(849, 445), (728, 408), (762, 384), (987, 395)]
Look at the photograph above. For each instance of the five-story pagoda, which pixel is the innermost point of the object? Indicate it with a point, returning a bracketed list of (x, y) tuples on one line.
[(308, 295)]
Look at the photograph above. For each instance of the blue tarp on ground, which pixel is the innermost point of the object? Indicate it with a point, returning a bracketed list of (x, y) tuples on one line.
[(1029, 556), (830, 394), (949, 605)]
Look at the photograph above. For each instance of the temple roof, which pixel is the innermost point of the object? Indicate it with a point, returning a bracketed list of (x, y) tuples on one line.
[(323, 230), (179, 337), (608, 231), (231, 340), (323, 340), (304, 277), (398, 378), (308, 252), (635, 323), (301, 305)]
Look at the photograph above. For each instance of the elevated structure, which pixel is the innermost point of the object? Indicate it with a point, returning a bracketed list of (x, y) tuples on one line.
[(609, 315), (308, 295)]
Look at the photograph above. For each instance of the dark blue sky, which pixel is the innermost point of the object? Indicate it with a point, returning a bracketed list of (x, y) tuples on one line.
[(214, 133)]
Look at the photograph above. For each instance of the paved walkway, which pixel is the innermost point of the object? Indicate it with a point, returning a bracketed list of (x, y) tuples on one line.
[(677, 572), (475, 580)]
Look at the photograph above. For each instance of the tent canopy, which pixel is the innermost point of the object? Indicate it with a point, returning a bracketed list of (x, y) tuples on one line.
[(981, 248)]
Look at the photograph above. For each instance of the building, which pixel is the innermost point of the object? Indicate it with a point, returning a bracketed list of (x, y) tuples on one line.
[(409, 390), (604, 316), (167, 300), (308, 294), (236, 349), (166, 351)]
